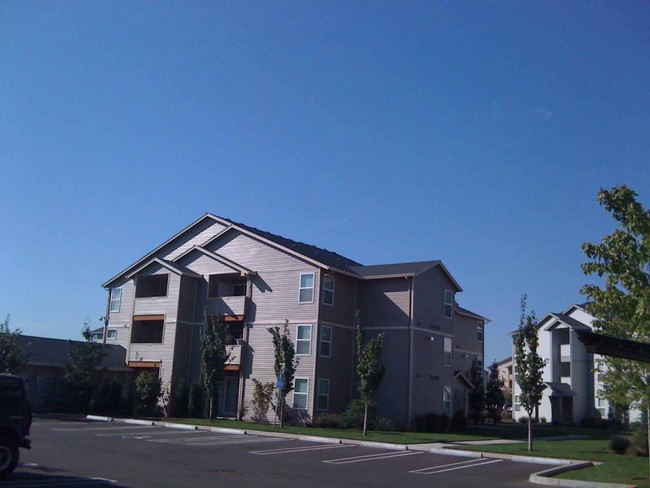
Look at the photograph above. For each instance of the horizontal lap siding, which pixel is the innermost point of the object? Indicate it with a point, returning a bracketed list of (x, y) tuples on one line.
[(428, 301), (194, 237), (429, 374), (342, 312), (384, 303), (338, 368)]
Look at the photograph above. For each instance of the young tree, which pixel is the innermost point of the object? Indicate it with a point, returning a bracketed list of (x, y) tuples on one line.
[(12, 354), (369, 369), (262, 398), (285, 365), (149, 390), (476, 396), (81, 371), (621, 305), (216, 354), (494, 398), (529, 366)]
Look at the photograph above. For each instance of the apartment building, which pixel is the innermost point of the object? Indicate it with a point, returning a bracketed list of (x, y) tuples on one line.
[(573, 376), (256, 280)]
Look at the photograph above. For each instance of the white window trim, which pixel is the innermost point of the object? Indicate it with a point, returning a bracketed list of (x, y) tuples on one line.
[(118, 300), (319, 394), (306, 394), (312, 287), (479, 361), (325, 278), (303, 340), (108, 334), (480, 331), (449, 293), (322, 340), (447, 354), (447, 410)]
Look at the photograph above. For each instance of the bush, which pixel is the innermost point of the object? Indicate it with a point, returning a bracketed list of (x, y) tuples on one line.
[(262, 398), (149, 390), (354, 414), (126, 399), (383, 424), (181, 400), (331, 421), (458, 422), (619, 444), (640, 441), (195, 404), (432, 422)]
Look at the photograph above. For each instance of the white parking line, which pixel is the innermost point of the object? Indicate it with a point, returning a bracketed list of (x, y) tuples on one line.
[(70, 429), (447, 465), (289, 450), (146, 433), (436, 470), (62, 481), (213, 441), (372, 457)]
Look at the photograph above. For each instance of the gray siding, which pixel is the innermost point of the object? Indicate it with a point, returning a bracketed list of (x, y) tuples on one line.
[(338, 368), (429, 374), (428, 301), (342, 312), (385, 303), (467, 347)]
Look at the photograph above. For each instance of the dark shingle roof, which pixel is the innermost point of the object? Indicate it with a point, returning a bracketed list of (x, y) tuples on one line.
[(393, 269), (54, 352), (571, 322), (464, 311), (329, 258)]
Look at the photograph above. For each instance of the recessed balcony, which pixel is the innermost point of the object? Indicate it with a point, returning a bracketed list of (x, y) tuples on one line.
[(565, 353)]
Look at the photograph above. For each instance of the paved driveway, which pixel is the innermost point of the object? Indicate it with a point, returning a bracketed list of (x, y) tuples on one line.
[(81, 453)]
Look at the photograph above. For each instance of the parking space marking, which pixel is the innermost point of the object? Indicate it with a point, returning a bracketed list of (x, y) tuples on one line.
[(289, 450), (71, 429), (467, 465), (372, 457), (148, 433), (215, 440)]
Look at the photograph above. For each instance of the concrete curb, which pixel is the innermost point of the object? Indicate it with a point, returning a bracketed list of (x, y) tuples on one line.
[(453, 452), (383, 445), (100, 418), (546, 478), (135, 421), (227, 430), (176, 426), (324, 440)]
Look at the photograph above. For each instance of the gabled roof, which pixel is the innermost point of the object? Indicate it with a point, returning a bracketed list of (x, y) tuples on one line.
[(469, 313), (43, 351), (505, 361), (173, 267), (400, 270), (461, 376), (217, 257), (553, 318)]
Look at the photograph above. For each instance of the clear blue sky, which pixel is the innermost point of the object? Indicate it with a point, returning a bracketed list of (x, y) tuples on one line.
[(477, 133)]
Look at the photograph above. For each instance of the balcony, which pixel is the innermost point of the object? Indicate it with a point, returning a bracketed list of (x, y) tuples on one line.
[(565, 353), (227, 306), (234, 363)]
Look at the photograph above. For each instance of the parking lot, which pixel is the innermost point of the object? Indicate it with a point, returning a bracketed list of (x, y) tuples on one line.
[(82, 453)]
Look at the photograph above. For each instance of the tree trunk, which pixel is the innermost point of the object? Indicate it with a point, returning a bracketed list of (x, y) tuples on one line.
[(282, 412), (365, 419), (648, 425), (530, 433), (210, 410)]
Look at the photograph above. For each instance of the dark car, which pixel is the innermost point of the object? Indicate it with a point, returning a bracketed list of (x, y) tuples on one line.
[(15, 421)]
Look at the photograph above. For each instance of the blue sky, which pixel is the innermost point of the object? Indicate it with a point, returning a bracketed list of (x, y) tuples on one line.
[(477, 133)]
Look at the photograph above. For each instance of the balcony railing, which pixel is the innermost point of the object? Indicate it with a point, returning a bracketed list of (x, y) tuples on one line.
[(565, 353), (227, 306), (235, 355)]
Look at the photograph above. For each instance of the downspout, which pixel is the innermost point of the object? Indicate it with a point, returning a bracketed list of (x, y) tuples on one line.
[(410, 382), (354, 338)]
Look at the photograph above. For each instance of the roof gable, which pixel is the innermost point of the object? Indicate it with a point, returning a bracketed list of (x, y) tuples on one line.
[(173, 267), (217, 257)]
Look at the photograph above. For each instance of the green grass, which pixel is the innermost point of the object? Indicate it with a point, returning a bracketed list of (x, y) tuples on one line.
[(630, 470)]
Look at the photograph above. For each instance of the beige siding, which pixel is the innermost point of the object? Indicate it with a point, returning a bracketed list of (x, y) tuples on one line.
[(194, 237), (342, 312), (428, 301), (467, 347), (429, 373), (385, 303), (338, 368)]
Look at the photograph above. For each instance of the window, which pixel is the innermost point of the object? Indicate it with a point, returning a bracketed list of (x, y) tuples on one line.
[(300, 392), (323, 398), (517, 403), (479, 364), (328, 290), (111, 334), (116, 299), (226, 285), (326, 341), (147, 331), (446, 355), (600, 403), (307, 288), (479, 331), (446, 400), (151, 286), (449, 303), (303, 342)]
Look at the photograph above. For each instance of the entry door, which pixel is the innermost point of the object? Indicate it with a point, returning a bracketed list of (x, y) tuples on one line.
[(231, 389)]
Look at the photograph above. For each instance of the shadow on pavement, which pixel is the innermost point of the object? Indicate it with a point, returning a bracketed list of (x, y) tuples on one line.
[(24, 479)]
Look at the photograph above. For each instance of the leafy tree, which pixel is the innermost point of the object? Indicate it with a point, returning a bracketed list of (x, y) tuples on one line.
[(262, 398), (529, 366), (81, 371), (369, 368), (494, 398), (476, 396), (621, 306), (215, 354), (285, 364), (12, 354), (149, 391)]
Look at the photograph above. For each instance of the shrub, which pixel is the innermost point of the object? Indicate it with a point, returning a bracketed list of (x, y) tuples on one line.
[(149, 390), (640, 441), (126, 399), (195, 403), (330, 421), (383, 424), (458, 422), (619, 444), (543, 420), (354, 414), (181, 400)]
